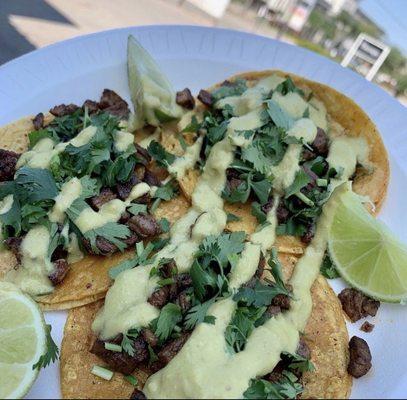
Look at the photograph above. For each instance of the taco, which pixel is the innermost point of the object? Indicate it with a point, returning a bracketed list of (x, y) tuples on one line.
[(216, 312)]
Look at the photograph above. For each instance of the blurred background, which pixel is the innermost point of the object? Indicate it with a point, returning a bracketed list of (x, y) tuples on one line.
[(369, 36)]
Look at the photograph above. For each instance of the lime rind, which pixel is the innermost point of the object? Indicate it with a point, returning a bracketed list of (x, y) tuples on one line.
[(366, 254)]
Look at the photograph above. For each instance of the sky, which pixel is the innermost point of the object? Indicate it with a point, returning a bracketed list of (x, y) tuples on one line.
[(391, 16)]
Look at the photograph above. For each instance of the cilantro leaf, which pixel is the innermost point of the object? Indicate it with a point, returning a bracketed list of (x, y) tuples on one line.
[(230, 217), (193, 126), (234, 88), (328, 268), (197, 315), (262, 189), (160, 155), (127, 343), (298, 363), (137, 208), (260, 215), (280, 118), (170, 316), (301, 180), (255, 153), (288, 86), (111, 231), (35, 136), (51, 354), (167, 191)]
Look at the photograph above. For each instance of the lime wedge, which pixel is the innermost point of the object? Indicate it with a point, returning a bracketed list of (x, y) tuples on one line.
[(151, 92), (366, 254), (22, 341)]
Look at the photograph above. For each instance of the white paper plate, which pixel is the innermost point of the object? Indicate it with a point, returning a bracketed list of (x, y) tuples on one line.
[(197, 57)]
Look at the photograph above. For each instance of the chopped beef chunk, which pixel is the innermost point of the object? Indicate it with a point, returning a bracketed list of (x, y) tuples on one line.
[(367, 327), (144, 199), (309, 234), (184, 301), (205, 97), (260, 266), (105, 247), (140, 171), (160, 297), (144, 225), (234, 183), (282, 301), (106, 194), (112, 103), (267, 207), (320, 143), (14, 244), (173, 292), (121, 362), (272, 311), (357, 305), (63, 109), (282, 213), (308, 155), (132, 239), (303, 349), (277, 374), (138, 395), (150, 178), (38, 121), (360, 359), (61, 268), (124, 189), (170, 350), (312, 175), (168, 269), (142, 154), (8, 161), (185, 99), (150, 337), (183, 281), (124, 217), (92, 106), (59, 253)]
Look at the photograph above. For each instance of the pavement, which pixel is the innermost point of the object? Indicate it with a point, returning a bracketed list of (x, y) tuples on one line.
[(29, 24)]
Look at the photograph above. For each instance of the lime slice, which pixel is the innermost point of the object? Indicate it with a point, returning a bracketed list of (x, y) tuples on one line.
[(151, 92), (22, 341), (366, 254)]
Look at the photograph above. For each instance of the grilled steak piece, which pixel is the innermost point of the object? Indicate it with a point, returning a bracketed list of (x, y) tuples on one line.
[(106, 194), (367, 327), (320, 143), (150, 337), (105, 247), (282, 212), (309, 234), (121, 362), (124, 189), (205, 97), (360, 358), (266, 207), (160, 297), (59, 253), (144, 225), (38, 121), (61, 268), (261, 266), (184, 301), (138, 395), (183, 281), (282, 301), (357, 305), (14, 244), (92, 106), (150, 178), (8, 161), (112, 103), (170, 350), (142, 154), (63, 109), (185, 99), (132, 239), (272, 311)]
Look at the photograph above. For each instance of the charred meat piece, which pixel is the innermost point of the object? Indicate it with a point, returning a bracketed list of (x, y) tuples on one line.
[(150, 178), (105, 195), (357, 305), (142, 154), (92, 106), (59, 253), (282, 213), (272, 311), (132, 239), (63, 109), (150, 337), (170, 350), (38, 121), (184, 301), (124, 217), (267, 207), (61, 268), (105, 247), (312, 175), (308, 155), (121, 362), (277, 374), (282, 301), (160, 297), (8, 161), (138, 395), (205, 97), (320, 143), (261, 266), (185, 99), (144, 199), (169, 269), (183, 281), (112, 103), (367, 327), (14, 244), (309, 234), (124, 189), (144, 225), (360, 358), (303, 349)]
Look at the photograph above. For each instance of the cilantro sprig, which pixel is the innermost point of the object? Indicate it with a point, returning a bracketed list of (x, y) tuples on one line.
[(52, 351)]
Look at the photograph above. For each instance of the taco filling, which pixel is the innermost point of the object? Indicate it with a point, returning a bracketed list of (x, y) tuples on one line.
[(211, 314)]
